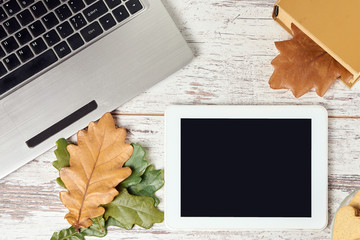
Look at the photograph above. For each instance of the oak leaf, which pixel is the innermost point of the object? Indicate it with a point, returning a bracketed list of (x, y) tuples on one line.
[(138, 165), (303, 65), (62, 155), (97, 229), (96, 168), (68, 234), (62, 158), (152, 181), (127, 210)]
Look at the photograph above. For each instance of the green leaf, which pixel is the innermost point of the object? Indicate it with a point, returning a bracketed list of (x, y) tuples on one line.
[(129, 210), (67, 234), (60, 182), (97, 229), (152, 180), (62, 154), (113, 222), (138, 164)]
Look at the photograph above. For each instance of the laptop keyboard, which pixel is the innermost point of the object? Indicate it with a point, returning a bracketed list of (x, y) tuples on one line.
[(35, 35)]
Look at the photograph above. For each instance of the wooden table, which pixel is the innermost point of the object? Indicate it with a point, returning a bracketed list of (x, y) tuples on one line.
[(233, 41)]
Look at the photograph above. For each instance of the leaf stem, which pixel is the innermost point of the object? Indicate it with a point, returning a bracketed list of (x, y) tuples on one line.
[(68, 236), (101, 228)]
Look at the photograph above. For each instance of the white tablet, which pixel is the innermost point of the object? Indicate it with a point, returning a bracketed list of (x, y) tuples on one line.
[(246, 167)]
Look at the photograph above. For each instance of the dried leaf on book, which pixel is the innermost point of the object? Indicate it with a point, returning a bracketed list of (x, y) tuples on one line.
[(303, 65), (96, 168)]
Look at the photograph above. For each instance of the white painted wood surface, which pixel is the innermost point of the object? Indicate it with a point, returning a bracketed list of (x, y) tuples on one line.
[(233, 44)]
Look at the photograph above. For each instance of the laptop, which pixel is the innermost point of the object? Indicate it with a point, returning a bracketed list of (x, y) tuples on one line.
[(65, 63)]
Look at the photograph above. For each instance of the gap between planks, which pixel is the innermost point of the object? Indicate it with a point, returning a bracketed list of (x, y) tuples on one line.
[(345, 117), (162, 115), (138, 114)]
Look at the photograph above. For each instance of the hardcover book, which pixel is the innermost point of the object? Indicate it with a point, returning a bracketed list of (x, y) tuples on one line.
[(332, 24)]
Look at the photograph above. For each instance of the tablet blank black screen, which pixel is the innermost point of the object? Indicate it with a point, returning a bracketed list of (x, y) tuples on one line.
[(246, 167)]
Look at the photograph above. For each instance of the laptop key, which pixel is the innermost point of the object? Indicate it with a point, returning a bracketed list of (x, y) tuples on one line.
[(26, 3), (37, 28), (75, 41), (38, 9), (94, 11), (23, 36), (2, 53), (113, 3), (11, 62), (121, 13), (107, 21), (3, 15), (38, 45), (2, 70), (52, 3), (10, 44), (88, 2), (50, 20), (92, 31), (63, 12), (25, 17), (51, 37), (3, 33), (62, 49), (27, 70), (134, 6), (65, 29), (76, 5), (12, 7), (25, 53), (12, 25), (78, 21)]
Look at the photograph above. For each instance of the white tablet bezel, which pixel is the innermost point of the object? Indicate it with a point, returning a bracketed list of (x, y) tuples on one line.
[(319, 165)]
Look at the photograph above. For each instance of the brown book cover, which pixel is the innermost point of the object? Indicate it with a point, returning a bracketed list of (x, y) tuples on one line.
[(332, 24)]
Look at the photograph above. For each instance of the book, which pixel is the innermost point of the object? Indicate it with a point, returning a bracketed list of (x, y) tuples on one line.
[(332, 24)]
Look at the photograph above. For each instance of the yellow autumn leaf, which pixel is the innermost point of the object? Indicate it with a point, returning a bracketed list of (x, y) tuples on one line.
[(96, 168)]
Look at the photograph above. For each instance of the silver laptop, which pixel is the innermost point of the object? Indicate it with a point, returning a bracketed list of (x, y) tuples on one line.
[(65, 63)]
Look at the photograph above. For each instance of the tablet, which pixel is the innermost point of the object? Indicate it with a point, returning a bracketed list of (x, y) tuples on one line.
[(246, 167)]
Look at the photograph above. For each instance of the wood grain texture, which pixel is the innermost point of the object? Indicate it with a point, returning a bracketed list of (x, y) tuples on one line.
[(233, 41)]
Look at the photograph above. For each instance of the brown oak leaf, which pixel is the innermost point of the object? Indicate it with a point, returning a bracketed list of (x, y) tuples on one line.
[(96, 168), (303, 65)]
